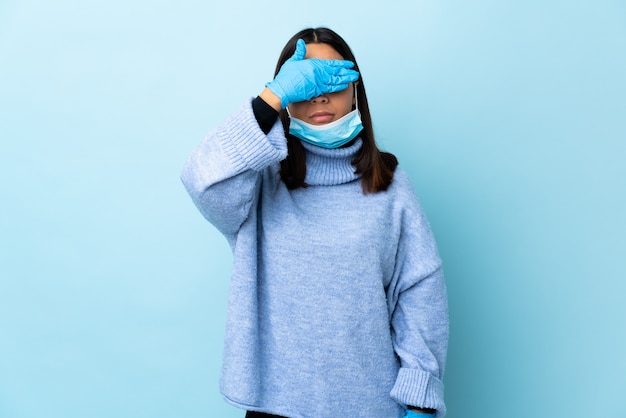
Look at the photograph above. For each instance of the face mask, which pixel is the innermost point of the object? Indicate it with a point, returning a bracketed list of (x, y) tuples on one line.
[(330, 135)]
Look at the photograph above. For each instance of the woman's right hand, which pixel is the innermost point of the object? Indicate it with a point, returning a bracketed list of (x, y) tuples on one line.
[(414, 414), (302, 79)]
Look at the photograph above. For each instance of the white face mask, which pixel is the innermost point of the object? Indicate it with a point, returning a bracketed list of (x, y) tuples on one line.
[(330, 135)]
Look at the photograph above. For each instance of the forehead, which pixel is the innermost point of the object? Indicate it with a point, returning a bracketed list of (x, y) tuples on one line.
[(322, 51)]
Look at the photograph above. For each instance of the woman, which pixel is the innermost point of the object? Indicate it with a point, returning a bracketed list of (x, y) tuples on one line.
[(337, 304)]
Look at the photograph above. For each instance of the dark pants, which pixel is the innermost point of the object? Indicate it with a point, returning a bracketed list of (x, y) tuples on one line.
[(252, 414)]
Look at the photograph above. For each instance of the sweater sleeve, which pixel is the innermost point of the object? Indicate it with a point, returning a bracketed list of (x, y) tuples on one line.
[(419, 319), (223, 173), (265, 114)]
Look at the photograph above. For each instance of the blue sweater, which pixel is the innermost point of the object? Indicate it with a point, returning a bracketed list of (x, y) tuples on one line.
[(337, 303)]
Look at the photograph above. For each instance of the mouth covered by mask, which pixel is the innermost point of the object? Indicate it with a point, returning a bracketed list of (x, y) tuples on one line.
[(331, 135)]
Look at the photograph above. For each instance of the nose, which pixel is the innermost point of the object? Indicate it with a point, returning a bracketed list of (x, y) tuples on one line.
[(320, 99)]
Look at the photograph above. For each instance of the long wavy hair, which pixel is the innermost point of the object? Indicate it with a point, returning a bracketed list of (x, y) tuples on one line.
[(375, 166)]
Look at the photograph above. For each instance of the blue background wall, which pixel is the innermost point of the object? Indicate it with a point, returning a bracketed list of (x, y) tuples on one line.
[(509, 117)]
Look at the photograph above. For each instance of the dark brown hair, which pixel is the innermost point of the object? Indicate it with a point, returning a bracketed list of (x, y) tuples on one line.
[(375, 166)]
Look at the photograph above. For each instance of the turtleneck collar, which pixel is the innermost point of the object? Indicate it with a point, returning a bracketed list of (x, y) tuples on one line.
[(328, 167)]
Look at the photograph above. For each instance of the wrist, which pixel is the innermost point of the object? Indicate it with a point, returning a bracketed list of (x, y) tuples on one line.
[(271, 99), (421, 410)]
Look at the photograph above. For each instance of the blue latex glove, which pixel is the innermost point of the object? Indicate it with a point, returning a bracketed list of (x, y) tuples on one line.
[(302, 79), (413, 414)]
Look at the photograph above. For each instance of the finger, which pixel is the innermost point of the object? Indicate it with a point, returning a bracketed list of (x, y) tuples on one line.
[(332, 88), (300, 50), (350, 75), (342, 70), (343, 76), (337, 63)]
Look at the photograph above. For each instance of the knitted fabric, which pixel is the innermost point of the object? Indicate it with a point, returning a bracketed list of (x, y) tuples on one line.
[(337, 302)]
